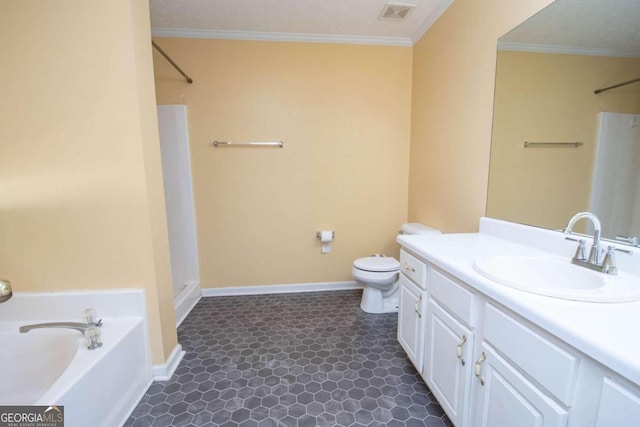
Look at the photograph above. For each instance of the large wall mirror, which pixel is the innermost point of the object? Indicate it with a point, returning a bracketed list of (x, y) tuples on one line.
[(582, 150)]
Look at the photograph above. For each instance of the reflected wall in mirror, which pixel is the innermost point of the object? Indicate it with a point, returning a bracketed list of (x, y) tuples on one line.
[(547, 71)]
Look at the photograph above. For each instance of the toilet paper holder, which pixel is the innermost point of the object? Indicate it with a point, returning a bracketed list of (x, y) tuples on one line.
[(319, 234)]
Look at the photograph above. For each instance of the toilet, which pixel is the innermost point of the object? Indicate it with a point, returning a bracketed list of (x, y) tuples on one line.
[(378, 275)]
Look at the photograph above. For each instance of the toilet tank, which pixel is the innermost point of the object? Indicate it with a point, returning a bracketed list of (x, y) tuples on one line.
[(417, 228)]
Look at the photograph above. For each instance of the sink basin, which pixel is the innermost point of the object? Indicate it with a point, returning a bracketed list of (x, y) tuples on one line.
[(557, 278)]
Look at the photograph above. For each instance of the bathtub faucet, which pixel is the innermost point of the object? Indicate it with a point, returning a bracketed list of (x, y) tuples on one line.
[(89, 330), (76, 326)]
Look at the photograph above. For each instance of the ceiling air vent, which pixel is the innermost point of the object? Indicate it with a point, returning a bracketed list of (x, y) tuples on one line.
[(396, 11)]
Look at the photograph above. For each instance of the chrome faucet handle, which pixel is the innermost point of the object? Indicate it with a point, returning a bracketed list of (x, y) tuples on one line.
[(632, 240), (581, 254), (609, 262)]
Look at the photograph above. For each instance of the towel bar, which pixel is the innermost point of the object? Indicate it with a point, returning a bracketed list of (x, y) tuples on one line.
[(246, 144)]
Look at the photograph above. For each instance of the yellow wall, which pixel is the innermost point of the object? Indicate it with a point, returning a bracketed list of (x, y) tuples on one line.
[(453, 84), (549, 97), (80, 183), (82, 203), (343, 112)]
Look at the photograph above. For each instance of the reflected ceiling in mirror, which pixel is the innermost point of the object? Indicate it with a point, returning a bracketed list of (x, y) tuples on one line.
[(548, 69), (591, 27)]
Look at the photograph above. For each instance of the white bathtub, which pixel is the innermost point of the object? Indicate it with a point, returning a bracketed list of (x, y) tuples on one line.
[(54, 367), (30, 364)]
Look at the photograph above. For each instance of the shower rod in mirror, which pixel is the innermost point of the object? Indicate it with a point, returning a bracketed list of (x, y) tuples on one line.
[(597, 91)]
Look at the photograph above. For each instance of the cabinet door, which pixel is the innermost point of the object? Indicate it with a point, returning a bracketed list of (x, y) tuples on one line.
[(506, 398), (447, 361), (410, 321), (619, 405)]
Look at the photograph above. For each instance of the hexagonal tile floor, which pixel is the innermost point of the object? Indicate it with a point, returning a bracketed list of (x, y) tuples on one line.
[(311, 359)]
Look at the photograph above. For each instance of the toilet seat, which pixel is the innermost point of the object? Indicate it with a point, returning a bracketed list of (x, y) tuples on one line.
[(377, 264)]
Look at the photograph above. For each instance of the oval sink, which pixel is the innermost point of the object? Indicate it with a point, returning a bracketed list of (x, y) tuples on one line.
[(557, 278)]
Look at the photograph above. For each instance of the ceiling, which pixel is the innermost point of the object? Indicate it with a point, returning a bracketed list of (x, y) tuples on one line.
[(338, 21), (596, 27), (601, 27)]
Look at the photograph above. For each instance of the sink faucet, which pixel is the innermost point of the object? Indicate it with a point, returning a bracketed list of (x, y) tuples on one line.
[(608, 265), (594, 253)]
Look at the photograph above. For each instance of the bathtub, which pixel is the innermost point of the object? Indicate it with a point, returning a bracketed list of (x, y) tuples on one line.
[(54, 367), (43, 358)]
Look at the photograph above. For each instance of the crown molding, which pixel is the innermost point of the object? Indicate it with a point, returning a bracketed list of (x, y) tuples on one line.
[(567, 50), (279, 37), (433, 17)]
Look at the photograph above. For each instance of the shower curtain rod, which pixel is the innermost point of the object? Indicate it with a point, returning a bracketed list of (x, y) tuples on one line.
[(162, 52), (597, 91)]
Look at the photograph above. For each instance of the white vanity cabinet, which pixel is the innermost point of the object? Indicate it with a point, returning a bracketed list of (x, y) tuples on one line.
[(448, 361), (505, 397), (411, 321), (486, 365), (411, 307), (449, 343), (495, 356), (619, 404), (523, 378)]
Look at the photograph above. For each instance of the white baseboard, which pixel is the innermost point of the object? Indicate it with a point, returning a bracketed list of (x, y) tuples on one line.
[(164, 372), (133, 403), (186, 300), (280, 289)]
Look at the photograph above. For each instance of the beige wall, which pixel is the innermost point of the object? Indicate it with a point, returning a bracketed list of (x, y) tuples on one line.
[(343, 112), (549, 97), (80, 185), (453, 84)]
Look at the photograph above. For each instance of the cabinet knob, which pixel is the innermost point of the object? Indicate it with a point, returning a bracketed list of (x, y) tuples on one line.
[(409, 268), (459, 346), (477, 367)]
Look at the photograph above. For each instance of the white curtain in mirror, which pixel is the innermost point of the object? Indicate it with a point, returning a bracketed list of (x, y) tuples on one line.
[(616, 184)]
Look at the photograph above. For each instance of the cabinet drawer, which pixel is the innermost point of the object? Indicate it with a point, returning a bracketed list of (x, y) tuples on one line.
[(551, 366), (454, 296), (413, 268)]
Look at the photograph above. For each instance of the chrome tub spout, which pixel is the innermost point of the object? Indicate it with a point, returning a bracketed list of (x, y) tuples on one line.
[(76, 326), (89, 330)]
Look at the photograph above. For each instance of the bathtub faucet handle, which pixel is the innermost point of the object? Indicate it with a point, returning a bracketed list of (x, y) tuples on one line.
[(89, 315), (93, 338)]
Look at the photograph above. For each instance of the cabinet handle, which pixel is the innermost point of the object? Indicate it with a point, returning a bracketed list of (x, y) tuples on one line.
[(409, 268), (459, 349), (483, 357), (417, 307)]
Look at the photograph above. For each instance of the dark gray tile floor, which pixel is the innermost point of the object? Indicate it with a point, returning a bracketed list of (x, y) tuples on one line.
[(311, 359)]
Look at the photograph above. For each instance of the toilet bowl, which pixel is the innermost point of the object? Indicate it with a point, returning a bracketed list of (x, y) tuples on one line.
[(378, 275)]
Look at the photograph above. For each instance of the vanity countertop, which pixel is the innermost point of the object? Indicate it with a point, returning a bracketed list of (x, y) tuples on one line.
[(606, 332)]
